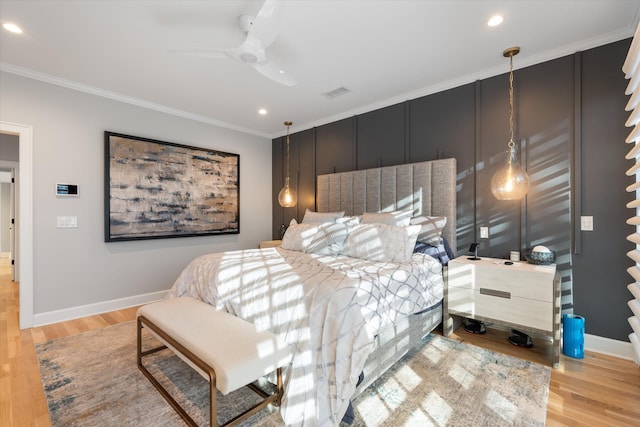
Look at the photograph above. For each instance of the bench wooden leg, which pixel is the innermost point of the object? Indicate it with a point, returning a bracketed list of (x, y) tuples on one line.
[(274, 398), (142, 321)]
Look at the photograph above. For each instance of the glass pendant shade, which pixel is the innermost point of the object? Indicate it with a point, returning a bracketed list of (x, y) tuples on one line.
[(510, 182), (287, 196)]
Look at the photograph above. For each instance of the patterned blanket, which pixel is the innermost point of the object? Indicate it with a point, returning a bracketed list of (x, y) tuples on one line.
[(328, 308)]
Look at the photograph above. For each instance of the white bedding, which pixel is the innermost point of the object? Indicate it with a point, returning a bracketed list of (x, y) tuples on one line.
[(329, 308)]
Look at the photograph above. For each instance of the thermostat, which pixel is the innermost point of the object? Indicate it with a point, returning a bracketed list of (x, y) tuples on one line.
[(67, 190)]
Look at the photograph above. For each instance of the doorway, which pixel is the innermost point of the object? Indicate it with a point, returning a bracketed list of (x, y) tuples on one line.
[(23, 226), (8, 195)]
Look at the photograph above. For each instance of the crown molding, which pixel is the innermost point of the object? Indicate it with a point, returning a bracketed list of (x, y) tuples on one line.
[(69, 84)]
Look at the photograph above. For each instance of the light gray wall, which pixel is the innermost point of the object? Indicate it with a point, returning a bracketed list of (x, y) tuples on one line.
[(74, 266)]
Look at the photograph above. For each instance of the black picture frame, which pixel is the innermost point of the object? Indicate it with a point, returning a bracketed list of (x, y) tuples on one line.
[(156, 189)]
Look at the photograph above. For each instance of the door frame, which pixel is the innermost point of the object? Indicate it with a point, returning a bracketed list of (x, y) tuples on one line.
[(24, 226)]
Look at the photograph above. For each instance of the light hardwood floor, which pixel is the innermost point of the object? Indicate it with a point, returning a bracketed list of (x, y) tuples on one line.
[(598, 390)]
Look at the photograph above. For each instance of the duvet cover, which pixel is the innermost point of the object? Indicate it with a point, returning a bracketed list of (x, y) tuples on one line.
[(328, 308)]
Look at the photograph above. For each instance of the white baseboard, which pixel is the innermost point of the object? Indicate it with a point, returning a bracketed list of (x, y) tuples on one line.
[(621, 349), (47, 318)]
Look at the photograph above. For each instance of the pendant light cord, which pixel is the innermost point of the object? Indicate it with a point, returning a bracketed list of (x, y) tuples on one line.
[(511, 143), (287, 124)]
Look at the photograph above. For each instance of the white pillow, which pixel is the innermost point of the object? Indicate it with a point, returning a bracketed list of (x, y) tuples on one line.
[(329, 239), (431, 231), (298, 236), (311, 217), (349, 220), (399, 218), (381, 242), (322, 239)]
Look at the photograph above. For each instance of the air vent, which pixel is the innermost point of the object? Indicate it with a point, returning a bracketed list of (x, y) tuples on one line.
[(336, 92)]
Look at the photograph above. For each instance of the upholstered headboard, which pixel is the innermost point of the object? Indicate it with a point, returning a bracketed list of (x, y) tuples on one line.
[(429, 188)]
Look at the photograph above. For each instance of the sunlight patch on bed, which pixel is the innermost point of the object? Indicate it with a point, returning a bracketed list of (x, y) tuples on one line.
[(501, 406), (302, 385), (437, 408)]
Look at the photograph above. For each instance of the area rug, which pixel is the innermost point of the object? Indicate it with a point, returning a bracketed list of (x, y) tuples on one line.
[(91, 379)]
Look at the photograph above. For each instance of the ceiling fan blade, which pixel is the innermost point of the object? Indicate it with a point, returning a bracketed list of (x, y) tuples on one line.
[(275, 73), (267, 22)]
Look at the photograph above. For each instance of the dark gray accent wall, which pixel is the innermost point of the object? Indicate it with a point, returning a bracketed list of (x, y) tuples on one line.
[(599, 271), (335, 147), (277, 181), (303, 147), (380, 139), (443, 125), (570, 134)]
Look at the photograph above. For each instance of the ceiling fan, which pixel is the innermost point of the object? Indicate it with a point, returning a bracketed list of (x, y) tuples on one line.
[(261, 31)]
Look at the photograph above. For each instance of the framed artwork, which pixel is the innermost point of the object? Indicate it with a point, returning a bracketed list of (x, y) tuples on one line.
[(155, 189)]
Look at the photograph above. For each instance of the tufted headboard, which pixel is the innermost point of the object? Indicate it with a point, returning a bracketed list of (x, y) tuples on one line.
[(429, 188)]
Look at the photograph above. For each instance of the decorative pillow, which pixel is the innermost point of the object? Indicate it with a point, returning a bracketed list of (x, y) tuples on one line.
[(311, 217), (349, 220), (399, 218), (431, 230), (298, 236), (328, 239), (442, 252), (322, 239), (381, 242)]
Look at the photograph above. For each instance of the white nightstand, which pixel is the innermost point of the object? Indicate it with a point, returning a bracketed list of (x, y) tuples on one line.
[(521, 296), (270, 244)]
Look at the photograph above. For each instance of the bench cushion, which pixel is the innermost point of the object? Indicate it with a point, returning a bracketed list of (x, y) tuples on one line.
[(238, 353)]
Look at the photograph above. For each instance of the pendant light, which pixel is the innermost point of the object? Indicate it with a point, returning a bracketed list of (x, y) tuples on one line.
[(510, 181), (287, 196)]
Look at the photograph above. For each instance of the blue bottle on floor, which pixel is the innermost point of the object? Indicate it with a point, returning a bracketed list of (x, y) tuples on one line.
[(573, 336)]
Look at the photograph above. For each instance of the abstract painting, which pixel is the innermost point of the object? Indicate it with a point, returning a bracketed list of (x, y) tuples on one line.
[(156, 189)]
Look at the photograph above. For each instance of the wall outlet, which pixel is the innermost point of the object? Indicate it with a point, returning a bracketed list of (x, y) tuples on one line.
[(484, 232), (586, 223)]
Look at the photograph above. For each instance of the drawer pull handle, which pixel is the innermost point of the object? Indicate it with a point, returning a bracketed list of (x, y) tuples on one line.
[(494, 293)]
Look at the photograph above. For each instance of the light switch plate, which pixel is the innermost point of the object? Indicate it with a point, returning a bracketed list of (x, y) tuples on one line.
[(484, 232), (586, 223), (67, 221)]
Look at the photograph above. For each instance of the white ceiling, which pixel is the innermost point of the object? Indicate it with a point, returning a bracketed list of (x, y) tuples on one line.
[(385, 52)]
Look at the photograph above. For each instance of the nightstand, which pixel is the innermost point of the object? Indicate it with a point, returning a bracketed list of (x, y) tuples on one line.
[(521, 296), (270, 244)]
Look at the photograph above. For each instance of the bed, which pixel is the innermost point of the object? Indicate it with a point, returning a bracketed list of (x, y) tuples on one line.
[(348, 314)]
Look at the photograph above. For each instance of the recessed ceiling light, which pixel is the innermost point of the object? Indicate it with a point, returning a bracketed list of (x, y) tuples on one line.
[(495, 20), (12, 27), (262, 112)]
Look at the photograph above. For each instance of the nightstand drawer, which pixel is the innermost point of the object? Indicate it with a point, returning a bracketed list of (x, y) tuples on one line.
[(496, 304), (519, 280)]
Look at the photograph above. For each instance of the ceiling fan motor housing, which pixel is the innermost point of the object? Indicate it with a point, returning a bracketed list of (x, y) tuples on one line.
[(245, 21)]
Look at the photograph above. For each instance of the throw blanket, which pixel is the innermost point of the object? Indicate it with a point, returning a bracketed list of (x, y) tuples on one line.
[(329, 308)]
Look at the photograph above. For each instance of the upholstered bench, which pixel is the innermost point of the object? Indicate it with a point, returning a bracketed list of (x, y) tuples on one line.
[(227, 351)]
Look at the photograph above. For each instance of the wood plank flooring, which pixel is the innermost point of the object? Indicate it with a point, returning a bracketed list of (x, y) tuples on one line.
[(598, 390)]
